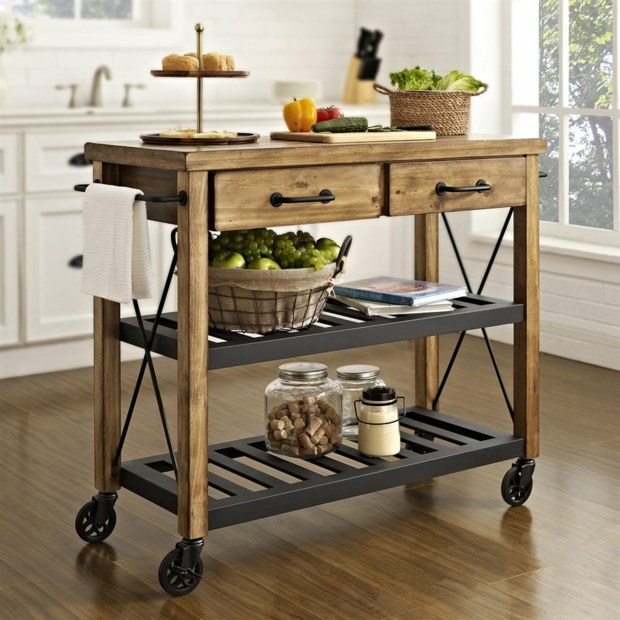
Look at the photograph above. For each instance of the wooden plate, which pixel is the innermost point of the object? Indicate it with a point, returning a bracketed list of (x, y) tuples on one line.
[(240, 138), (206, 74)]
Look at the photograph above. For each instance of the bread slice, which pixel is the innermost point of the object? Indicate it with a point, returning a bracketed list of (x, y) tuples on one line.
[(176, 62)]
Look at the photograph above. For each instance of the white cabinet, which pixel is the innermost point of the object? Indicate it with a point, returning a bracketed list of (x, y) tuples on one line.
[(55, 306), (9, 155), (9, 272), (53, 160), (41, 303)]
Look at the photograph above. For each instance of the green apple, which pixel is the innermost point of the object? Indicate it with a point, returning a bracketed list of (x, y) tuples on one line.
[(263, 263), (228, 260), (329, 248)]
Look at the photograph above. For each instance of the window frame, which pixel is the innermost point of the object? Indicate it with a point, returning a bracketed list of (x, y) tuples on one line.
[(522, 125), (164, 16)]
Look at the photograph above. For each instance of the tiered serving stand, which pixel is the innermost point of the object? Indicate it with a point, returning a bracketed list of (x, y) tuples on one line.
[(155, 138)]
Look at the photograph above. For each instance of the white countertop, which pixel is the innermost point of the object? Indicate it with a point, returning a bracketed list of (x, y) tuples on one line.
[(51, 116)]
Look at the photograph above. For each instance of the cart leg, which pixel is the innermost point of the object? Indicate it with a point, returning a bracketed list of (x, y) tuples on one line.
[(181, 570), (426, 265), (193, 333), (526, 374)]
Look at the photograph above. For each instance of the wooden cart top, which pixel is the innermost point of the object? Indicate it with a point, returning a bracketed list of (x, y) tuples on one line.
[(268, 153)]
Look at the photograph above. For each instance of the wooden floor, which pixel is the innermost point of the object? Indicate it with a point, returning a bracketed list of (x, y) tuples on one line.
[(445, 549)]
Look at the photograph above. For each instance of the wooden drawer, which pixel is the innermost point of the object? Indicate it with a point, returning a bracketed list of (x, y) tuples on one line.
[(243, 199), (412, 186)]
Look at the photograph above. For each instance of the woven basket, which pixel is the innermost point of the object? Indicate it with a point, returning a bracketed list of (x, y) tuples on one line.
[(446, 110), (262, 301)]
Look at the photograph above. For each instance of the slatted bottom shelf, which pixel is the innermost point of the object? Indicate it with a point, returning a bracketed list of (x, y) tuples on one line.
[(246, 482)]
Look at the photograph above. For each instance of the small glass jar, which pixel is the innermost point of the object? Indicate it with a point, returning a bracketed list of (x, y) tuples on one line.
[(377, 413), (303, 411), (353, 380)]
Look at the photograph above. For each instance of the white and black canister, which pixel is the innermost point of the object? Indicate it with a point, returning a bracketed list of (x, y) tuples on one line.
[(378, 418)]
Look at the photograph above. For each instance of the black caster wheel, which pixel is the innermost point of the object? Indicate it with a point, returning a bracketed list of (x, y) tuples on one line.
[(96, 519), (517, 483), (174, 578)]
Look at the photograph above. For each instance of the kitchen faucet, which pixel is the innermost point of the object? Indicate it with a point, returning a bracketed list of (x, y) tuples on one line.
[(95, 92)]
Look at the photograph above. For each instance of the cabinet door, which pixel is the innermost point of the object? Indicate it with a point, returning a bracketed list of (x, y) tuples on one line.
[(9, 181), (9, 273), (55, 305)]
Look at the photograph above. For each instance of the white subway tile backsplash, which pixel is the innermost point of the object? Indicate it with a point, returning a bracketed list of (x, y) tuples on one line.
[(273, 39)]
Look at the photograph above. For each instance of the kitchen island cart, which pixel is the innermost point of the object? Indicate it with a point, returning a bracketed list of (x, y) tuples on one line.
[(231, 187)]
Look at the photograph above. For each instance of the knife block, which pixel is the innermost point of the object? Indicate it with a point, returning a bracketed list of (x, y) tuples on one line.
[(356, 91)]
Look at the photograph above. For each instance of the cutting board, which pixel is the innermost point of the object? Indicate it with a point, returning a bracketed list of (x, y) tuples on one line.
[(359, 136)]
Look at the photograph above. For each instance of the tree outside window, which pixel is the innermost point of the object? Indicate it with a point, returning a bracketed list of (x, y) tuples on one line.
[(577, 111)]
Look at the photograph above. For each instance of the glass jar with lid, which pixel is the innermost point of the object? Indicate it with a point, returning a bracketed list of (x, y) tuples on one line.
[(354, 379), (303, 411), (378, 416)]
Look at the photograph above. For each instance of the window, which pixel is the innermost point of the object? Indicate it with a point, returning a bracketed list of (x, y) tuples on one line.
[(100, 23), (565, 74), (77, 9)]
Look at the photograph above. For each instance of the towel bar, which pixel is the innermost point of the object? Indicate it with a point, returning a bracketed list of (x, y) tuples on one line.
[(181, 197)]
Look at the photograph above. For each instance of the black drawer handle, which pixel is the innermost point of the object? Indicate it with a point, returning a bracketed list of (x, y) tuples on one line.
[(481, 186), (79, 160), (76, 262), (325, 196)]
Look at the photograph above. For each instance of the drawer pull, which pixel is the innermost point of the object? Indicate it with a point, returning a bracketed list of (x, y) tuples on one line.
[(481, 186), (79, 160), (76, 262), (325, 196)]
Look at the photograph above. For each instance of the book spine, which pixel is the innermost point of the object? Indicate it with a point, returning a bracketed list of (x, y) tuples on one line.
[(386, 298)]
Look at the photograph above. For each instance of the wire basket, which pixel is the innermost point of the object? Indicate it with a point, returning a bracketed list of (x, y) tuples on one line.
[(447, 111), (264, 301)]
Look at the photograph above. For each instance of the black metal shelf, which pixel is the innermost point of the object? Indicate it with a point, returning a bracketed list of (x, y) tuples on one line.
[(338, 328), (246, 482)]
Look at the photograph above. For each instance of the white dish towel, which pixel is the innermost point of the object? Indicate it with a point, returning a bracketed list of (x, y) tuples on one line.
[(117, 258)]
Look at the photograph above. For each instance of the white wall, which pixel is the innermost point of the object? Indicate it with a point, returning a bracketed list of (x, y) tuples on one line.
[(274, 39)]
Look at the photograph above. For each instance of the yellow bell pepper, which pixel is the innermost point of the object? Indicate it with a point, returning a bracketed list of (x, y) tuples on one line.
[(300, 115)]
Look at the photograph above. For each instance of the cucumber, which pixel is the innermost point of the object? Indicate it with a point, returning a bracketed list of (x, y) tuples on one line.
[(342, 125)]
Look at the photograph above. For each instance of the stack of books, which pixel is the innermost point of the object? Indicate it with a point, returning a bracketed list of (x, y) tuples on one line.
[(387, 295)]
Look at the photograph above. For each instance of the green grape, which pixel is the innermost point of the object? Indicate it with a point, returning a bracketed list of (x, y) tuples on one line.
[(319, 265)]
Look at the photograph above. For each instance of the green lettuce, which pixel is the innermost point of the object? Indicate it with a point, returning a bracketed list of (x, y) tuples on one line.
[(414, 79), (423, 79)]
